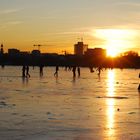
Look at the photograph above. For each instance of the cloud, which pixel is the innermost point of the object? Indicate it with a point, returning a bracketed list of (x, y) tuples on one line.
[(10, 23), (129, 6), (9, 11), (3, 26), (69, 33), (129, 3), (14, 22)]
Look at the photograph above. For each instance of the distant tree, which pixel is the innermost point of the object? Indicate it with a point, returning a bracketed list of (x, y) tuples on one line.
[(131, 54)]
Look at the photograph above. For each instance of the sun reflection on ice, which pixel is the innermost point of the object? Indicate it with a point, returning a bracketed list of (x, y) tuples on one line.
[(110, 102)]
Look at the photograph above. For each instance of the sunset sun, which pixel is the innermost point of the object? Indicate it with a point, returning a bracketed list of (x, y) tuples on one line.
[(116, 41), (111, 52)]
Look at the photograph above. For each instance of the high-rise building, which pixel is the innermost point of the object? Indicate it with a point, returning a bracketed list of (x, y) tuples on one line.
[(80, 48)]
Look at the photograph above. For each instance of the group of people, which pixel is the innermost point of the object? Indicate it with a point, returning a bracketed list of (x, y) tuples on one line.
[(74, 71), (25, 71)]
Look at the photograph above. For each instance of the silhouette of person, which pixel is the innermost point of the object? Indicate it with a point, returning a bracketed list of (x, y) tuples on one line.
[(74, 71), (69, 68), (78, 70), (41, 70), (139, 84), (23, 71), (2, 66), (99, 70), (66, 68), (56, 71), (27, 71), (139, 87), (91, 69)]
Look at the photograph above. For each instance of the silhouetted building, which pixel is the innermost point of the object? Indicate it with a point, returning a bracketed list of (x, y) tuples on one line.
[(96, 52), (13, 52), (80, 48), (49, 54), (24, 53), (36, 52)]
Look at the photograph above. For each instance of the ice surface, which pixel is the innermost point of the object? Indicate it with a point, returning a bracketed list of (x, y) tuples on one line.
[(63, 108)]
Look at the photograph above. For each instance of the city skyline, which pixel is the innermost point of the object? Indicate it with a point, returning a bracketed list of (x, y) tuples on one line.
[(110, 24)]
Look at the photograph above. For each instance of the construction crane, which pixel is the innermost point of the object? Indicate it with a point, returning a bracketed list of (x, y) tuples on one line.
[(38, 45), (81, 39), (65, 52)]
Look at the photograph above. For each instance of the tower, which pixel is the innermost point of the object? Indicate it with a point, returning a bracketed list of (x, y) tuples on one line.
[(1, 50), (80, 48)]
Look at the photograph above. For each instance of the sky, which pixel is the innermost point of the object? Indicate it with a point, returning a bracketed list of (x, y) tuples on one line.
[(59, 24)]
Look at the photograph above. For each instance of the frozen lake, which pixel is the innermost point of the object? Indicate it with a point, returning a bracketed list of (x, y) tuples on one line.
[(85, 108)]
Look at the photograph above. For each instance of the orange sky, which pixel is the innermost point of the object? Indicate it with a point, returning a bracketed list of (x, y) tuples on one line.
[(113, 25)]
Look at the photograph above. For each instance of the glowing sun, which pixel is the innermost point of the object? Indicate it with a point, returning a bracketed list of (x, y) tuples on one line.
[(116, 41)]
